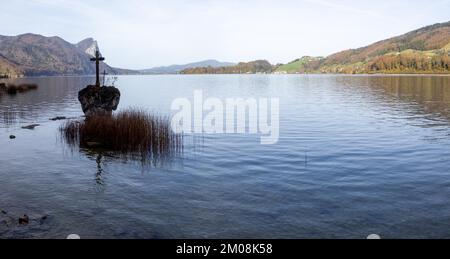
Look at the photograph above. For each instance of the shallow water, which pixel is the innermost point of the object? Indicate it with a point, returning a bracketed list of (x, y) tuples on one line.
[(357, 155)]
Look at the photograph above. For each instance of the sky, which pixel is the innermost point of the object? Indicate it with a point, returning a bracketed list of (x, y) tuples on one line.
[(140, 34)]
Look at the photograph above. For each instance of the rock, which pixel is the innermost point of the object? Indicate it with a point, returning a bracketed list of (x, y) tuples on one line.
[(31, 127), (12, 137), (99, 100), (93, 144), (58, 118), (24, 220)]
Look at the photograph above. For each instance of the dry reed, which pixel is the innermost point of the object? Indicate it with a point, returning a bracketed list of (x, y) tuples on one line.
[(129, 132)]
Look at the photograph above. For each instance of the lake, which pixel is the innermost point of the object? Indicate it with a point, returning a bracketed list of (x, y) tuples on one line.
[(357, 155)]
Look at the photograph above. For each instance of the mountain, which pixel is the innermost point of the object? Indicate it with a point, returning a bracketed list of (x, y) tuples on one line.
[(425, 50), (88, 46), (36, 55), (175, 69), (254, 67), (9, 69)]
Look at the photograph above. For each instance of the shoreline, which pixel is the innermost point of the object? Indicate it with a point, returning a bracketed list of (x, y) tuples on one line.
[(267, 74)]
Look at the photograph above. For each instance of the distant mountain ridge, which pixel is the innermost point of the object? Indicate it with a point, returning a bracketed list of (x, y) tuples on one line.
[(253, 67), (88, 46), (425, 50), (37, 55), (175, 69)]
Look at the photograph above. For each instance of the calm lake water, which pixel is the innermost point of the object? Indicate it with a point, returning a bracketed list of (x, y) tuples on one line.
[(357, 155)]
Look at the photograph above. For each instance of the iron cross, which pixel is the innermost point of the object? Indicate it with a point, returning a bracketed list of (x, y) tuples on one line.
[(97, 60)]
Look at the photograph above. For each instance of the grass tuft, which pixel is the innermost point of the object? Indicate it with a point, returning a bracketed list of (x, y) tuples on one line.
[(129, 132)]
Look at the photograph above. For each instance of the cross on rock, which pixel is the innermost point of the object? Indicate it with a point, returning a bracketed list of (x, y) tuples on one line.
[(97, 60)]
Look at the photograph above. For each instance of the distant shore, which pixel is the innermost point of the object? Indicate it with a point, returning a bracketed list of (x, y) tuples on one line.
[(271, 74)]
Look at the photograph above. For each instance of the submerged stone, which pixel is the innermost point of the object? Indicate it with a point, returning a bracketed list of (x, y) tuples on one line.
[(99, 100), (58, 118), (31, 127), (24, 220)]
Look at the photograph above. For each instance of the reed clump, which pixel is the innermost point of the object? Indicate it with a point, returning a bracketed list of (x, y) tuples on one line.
[(129, 132), (14, 89)]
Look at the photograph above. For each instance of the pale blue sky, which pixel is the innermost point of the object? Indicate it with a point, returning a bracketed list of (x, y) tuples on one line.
[(142, 34)]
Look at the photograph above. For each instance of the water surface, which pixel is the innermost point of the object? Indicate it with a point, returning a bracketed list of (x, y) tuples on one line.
[(357, 155)]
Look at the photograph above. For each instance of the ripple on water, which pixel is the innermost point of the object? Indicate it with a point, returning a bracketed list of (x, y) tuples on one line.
[(356, 155)]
